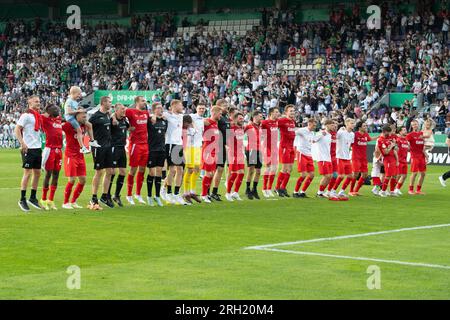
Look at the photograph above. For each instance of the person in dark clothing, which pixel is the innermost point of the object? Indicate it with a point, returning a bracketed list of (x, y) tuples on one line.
[(446, 175), (101, 127), (157, 127), (119, 129), (224, 125)]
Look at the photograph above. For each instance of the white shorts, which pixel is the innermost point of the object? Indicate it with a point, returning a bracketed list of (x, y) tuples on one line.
[(376, 169)]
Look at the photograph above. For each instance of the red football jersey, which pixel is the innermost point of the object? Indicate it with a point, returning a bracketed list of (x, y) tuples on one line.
[(333, 144), (416, 143), (72, 146), (359, 146), (236, 143), (403, 147), (52, 128), (287, 132), (253, 132), (138, 119), (211, 135), (384, 143), (269, 132)]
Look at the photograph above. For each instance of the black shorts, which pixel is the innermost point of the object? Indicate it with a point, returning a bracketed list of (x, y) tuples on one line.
[(254, 158), (222, 156), (119, 157), (103, 158), (174, 155), (156, 159), (32, 159), (382, 169)]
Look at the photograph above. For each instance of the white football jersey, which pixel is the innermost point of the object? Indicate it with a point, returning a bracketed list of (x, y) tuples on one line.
[(31, 137), (174, 133), (304, 140), (321, 149), (344, 140), (199, 127)]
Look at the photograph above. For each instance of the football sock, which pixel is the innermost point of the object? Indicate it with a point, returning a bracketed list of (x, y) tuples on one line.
[(238, 182), (44, 193), (150, 180), (76, 194), (130, 182), (139, 182), (52, 192), (306, 184), (67, 192), (119, 184)]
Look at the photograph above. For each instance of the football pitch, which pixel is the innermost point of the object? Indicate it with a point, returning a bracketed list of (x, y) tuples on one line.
[(267, 249)]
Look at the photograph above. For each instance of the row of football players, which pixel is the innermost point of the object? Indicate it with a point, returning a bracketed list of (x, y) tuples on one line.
[(187, 144)]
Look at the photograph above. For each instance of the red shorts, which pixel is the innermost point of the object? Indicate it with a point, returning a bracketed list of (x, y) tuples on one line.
[(74, 167), (138, 155), (403, 168), (304, 163), (390, 168), (334, 164), (236, 162), (418, 164), (270, 157), (236, 166), (325, 167), (287, 155), (209, 161), (360, 165), (52, 159), (344, 167)]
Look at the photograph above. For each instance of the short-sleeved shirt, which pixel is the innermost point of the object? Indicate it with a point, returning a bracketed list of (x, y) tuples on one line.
[(403, 147), (174, 133), (224, 124), (101, 127), (287, 132), (383, 143), (416, 143), (211, 136), (333, 144), (52, 128), (119, 132), (199, 127), (138, 119), (236, 142), (157, 134), (31, 137), (269, 130), (73, 104), (253, 132), (359, 146), (343, 143), (72, 146)]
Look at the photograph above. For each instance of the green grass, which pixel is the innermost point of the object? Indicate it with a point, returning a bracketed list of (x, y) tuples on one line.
[(197, 252)]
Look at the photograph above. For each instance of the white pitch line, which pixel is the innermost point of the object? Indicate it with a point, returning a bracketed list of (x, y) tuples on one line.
[(346, 237), (414, 264)]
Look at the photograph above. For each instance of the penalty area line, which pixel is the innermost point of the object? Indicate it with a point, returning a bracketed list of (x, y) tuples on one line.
[(368, 234), (272, 247), (414, 264)]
